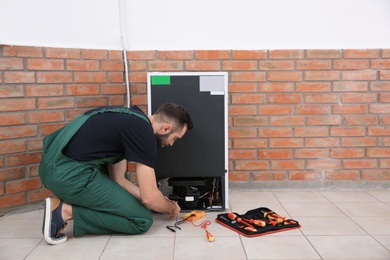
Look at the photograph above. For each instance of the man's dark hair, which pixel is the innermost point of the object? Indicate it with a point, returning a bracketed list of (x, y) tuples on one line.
[(177, 113)]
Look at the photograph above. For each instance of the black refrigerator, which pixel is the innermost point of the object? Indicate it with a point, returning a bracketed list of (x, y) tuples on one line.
[(196, 166)]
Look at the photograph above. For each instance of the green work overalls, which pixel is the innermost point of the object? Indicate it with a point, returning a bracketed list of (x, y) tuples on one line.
[(99, 204)]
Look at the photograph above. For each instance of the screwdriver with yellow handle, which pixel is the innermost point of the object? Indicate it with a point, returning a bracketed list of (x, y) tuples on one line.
[(210, 237), (273, 216)]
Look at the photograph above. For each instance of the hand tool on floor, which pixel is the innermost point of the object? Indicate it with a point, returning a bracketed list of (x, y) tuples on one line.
[(256, 222), (251, 229), (194, 215), (272, 222), (209, 236), (233, 216), (176, 225), (273, 216), (204, 224), (289, 221)]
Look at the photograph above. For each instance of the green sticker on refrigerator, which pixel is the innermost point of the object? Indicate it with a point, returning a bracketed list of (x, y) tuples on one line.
[(161, 80)]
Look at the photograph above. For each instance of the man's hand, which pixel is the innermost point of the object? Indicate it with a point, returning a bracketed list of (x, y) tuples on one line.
[(150, 195), (147, 192), (176, 210)]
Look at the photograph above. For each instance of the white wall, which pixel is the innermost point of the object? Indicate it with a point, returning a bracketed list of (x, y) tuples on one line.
[(200, 24)]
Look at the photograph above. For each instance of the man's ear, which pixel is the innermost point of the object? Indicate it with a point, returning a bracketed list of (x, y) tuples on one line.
[(166, 128)]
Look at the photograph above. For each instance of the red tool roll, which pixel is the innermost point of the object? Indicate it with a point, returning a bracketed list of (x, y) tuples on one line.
[(256, 222)]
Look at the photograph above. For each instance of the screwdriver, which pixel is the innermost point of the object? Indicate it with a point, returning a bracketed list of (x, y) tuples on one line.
[(210, 237), (256, 222), (233, 216)]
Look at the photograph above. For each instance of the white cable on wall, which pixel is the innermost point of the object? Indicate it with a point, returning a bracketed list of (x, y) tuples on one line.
[(126, 74), (122, 25)]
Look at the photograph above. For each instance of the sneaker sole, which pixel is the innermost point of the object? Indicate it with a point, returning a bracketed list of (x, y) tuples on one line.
[(47, 225)]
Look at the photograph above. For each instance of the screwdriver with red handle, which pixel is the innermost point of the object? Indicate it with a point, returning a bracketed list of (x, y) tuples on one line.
[(256, 222), (249, 227)]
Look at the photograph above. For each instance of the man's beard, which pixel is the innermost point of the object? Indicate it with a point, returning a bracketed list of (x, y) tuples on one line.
[(161, 140)]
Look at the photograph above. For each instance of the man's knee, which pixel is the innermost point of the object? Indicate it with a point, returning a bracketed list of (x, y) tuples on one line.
[(139, 226)]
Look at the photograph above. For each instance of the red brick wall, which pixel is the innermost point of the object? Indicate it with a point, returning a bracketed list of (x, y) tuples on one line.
[(294, 115)]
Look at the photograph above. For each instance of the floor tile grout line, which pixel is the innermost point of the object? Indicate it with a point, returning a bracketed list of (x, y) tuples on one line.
[(240, 236), (348, 213), (174, 247), (243, 247), (388, 250), (278, 200), (35, 247), (368, 233), (372, 196), (105, 246), (370, 192), (350, 217), (300, 230), (314, 248), (343, 212)]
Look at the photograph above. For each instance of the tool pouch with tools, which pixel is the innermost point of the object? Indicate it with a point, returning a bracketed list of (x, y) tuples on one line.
[(256, 222)]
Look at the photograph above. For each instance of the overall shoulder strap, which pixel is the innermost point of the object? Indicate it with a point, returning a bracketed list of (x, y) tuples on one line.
[(119, 110)]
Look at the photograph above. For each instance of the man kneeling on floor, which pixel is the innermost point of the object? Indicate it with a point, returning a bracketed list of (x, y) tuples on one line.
[(84, 165)]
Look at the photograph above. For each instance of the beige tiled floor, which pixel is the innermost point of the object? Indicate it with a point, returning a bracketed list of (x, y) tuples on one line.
[(335, 225)]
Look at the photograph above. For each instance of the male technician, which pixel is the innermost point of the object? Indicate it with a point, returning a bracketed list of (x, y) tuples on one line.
[(84, 164)]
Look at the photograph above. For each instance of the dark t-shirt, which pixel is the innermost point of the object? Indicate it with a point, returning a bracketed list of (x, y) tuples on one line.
[(112, 134)]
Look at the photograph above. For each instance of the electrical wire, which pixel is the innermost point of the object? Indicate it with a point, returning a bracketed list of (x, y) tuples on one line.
[(121, 25), (126, 74), (203, 225)]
